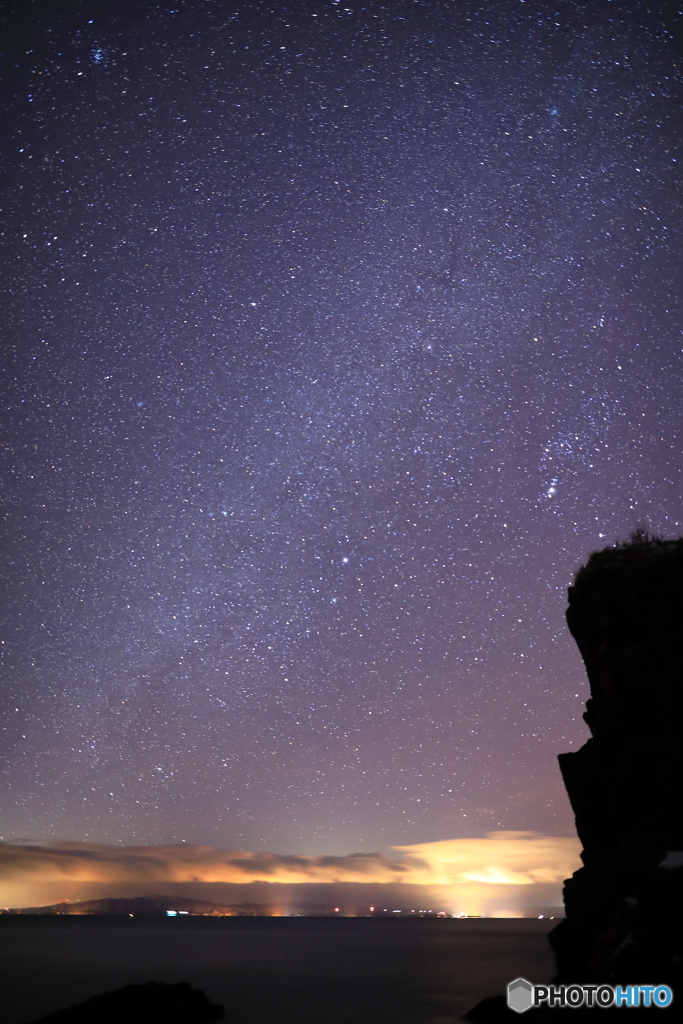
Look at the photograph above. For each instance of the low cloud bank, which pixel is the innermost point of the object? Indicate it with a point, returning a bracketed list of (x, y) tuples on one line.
[(90, 862), (501, 858), (469, 868)]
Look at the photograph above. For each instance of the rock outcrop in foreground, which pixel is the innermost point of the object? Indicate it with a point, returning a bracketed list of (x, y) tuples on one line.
[(624, 906), (153, 1003), (625, 784)]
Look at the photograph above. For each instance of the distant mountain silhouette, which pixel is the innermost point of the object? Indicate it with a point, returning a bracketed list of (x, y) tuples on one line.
[(144, 906), (159, 906)]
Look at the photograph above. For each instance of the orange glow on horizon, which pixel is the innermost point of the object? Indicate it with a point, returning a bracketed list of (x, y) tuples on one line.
[(524, 868)]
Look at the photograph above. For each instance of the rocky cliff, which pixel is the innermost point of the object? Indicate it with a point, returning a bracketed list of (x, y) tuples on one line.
[(626, 783)]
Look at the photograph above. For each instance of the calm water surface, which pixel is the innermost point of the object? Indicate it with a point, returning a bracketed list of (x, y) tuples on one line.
[(274, 970)]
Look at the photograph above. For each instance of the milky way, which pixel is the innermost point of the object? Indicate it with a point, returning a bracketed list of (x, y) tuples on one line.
[(335, 339)]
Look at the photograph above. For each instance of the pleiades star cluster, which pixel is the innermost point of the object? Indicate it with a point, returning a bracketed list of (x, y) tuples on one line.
[(335, 338)]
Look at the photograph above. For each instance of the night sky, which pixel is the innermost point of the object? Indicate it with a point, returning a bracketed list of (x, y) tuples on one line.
[(335, 338)]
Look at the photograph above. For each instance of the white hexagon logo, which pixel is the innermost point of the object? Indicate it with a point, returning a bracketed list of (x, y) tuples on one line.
[(520, 995)]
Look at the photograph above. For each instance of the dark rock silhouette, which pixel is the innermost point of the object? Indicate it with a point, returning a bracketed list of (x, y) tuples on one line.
[(494, 1009), (626, 783), (153, 1003)]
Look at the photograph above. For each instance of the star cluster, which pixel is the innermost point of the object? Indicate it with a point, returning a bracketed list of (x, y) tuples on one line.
[(335, 338)]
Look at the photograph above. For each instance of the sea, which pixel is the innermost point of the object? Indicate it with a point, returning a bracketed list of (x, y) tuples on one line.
[(275, 970)]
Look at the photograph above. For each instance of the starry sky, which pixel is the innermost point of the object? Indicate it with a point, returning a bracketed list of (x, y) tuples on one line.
[(334, 339)]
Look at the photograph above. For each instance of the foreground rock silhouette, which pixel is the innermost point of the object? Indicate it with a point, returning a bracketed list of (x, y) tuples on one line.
[(625, 784), (153, 1003)]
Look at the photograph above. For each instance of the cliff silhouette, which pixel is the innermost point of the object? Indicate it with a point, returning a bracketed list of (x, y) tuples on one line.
[(625, 784)]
